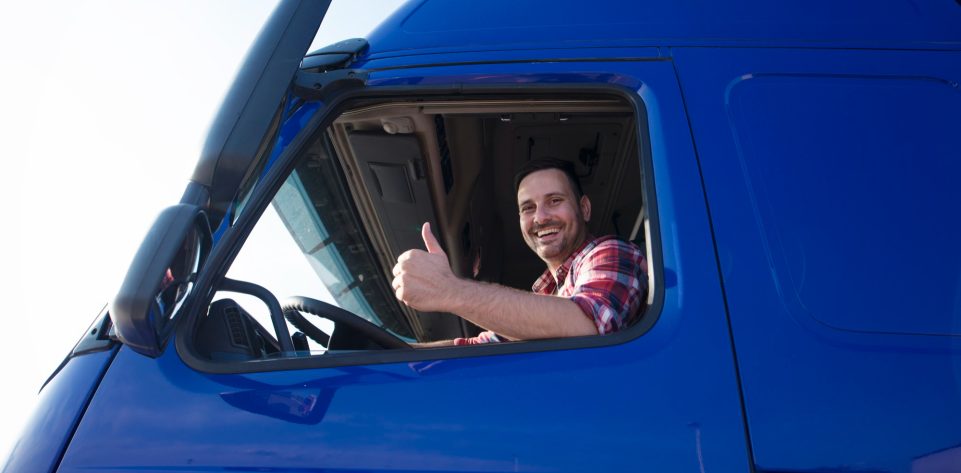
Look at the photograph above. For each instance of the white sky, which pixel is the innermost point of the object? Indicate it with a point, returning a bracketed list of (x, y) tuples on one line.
[(104, 106)]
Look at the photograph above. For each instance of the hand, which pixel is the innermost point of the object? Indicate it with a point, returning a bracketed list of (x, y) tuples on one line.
[(423, 279)]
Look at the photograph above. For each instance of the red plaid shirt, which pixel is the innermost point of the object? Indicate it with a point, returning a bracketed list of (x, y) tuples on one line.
[(606, 278)]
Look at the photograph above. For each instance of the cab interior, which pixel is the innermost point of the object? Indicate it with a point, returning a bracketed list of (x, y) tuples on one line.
[(452, 163)]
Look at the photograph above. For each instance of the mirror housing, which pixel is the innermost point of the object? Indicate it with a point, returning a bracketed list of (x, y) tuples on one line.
[(160, 278)]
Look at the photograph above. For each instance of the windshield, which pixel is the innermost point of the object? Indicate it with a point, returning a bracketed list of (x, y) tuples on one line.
[(313, 216)]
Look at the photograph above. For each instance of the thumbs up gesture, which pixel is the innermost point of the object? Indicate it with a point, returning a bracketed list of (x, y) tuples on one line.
[(423, 279), (430, 242)]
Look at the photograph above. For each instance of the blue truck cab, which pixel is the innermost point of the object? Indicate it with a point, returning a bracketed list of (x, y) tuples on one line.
[(790, 169)]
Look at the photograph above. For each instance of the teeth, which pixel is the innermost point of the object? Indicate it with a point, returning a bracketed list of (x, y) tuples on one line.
[(543, 233)]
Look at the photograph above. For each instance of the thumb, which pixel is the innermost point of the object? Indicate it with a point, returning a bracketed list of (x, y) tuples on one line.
[(430, 242)]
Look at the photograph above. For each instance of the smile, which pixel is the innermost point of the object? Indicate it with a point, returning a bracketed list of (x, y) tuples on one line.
[(547, 231)]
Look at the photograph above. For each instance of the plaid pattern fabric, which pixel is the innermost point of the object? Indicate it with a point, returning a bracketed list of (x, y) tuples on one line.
[(606, 278)]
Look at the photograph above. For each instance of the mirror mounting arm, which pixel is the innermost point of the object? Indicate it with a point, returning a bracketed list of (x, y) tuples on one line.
[(273, 305), (322, 85)]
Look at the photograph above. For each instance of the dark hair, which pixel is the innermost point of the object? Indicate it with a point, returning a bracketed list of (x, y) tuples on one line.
[(541, 164)]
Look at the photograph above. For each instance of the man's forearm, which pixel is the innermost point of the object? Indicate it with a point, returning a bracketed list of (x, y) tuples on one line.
[(518, 314), (435, 344)]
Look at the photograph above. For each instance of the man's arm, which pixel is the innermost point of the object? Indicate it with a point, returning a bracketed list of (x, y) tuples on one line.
[(517, 314), (424, 281)]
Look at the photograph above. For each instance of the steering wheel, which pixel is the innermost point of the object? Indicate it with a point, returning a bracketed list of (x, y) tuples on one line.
[(351, 331)]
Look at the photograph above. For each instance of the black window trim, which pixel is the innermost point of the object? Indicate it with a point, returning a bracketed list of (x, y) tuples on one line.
[(224, 253)]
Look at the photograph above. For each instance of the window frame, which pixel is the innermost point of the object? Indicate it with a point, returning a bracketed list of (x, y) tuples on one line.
[(224, 253)]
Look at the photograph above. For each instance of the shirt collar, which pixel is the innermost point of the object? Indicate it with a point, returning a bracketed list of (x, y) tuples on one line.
[(546, 284)]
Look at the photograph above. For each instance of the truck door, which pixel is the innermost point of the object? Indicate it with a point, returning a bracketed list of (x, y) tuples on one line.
[(660, 396)]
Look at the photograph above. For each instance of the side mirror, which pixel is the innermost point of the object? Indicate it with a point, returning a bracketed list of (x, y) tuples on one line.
[(160, 277)]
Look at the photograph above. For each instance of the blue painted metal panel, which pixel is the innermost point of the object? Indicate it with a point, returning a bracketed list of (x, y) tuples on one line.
[(832, 181), (57, 412), (861, 180), (666, 401), (449, 58), (439, 25)]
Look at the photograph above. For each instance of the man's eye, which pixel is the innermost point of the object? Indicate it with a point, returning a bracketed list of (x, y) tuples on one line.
[(527, 209)]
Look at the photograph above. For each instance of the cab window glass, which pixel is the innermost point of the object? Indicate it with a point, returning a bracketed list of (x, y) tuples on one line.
[(360, 192)]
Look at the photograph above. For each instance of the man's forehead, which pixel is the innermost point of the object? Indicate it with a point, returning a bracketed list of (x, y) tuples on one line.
[(543, 182)]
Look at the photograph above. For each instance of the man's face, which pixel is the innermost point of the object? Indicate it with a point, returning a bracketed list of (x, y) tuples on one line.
[(553, 221)]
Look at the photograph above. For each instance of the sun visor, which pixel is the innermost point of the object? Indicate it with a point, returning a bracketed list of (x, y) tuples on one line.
[(393, 173), (395, 177)]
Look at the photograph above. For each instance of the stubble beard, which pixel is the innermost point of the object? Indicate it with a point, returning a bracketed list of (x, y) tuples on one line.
[(555, 252)]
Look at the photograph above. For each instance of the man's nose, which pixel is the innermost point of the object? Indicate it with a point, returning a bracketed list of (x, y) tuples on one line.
[(541, 214)]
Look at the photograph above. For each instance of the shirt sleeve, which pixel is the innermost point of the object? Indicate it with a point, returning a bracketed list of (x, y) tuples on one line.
[(483, 337), (610, 284)]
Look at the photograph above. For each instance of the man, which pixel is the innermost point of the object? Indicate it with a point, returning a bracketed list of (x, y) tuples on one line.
[(591, 285)]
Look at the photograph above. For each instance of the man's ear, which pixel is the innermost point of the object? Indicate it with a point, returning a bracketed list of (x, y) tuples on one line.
[(586, 208)]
